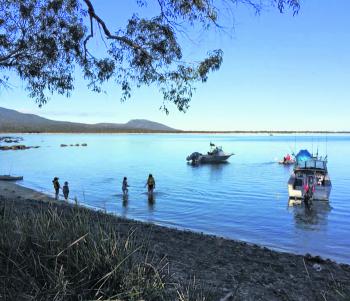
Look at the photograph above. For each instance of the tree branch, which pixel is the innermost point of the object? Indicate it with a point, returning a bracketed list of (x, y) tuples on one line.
[(128, 42), (9, 56), (89, 36)]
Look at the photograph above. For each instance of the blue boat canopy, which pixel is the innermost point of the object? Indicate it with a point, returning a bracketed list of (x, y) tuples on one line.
[(303, 155)]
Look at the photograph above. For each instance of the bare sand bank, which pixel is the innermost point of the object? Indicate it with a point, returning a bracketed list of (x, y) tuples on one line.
[(227, 267)]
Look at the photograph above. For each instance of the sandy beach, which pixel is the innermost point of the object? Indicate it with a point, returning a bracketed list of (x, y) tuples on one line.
[(233, 270)]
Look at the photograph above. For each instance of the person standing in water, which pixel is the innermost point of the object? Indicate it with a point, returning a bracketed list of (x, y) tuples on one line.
[(65, 190), (151, 184), (125, 186), (56, 186)]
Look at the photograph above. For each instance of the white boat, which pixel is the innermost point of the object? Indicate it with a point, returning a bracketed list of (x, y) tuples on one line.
[(310, 175), (215, 155)]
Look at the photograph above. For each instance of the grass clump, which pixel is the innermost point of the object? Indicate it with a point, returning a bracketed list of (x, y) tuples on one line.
[(71, 253)]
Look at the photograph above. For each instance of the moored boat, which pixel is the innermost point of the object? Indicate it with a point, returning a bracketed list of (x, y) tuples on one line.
[(309, 178), (10, 178), (215, 155)]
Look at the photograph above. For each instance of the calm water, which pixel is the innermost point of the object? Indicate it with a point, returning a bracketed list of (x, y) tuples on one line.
[(245, 199)]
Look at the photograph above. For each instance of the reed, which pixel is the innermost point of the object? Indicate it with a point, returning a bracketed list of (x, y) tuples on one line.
[(47, 253)]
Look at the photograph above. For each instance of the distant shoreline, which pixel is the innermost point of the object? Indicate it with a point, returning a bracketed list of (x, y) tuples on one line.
[(15, 122), (179, 132)]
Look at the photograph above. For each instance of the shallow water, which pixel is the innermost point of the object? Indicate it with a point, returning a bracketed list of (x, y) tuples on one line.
[(246, 199)]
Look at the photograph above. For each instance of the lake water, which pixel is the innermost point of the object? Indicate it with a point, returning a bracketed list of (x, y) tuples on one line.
[(246, 199)]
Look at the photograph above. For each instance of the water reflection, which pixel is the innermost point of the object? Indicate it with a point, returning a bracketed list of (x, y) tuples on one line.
[(125, 200), (215, 170), (151, 203), (125, 204), (217, 164), (312, 216)]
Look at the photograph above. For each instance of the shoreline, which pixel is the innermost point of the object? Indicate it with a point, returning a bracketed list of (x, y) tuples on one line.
[(271, 133), (42, 195), (249, 271)]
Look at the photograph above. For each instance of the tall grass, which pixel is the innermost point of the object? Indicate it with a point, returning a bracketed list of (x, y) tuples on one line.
[(71, 253)]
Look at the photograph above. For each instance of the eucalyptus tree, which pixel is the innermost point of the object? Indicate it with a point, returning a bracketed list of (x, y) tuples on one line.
[(47, 44)]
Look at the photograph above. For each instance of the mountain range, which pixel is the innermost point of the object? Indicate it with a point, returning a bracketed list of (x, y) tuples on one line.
[(12, 121)]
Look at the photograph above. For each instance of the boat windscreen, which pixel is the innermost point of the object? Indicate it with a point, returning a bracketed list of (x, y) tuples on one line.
[(303, 155), (319, 164)]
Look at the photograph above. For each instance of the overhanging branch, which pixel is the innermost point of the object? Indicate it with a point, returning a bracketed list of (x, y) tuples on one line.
[(109, 35)]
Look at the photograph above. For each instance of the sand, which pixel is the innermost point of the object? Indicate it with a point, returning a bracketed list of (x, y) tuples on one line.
[(232, 269)]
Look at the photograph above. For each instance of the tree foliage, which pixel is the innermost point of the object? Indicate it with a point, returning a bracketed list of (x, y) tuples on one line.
[(47, 42)]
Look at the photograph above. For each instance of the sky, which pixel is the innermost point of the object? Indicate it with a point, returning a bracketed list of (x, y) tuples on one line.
[(280, 72)]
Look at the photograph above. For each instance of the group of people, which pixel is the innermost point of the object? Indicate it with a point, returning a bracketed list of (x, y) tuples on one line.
[(151, 185), (57, 186)]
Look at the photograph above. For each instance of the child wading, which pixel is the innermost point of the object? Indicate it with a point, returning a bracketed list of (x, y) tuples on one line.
[(65, 190), (56, 186), (125, 186)]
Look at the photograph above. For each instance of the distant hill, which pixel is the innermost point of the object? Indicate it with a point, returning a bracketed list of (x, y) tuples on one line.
[(16, 122)]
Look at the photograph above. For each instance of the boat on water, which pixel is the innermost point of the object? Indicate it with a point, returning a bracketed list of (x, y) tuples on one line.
[(287, 160), (10, 178), (310, 179), (214, 155)]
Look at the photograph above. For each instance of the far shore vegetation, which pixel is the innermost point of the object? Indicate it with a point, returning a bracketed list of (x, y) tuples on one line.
[(137, 131)]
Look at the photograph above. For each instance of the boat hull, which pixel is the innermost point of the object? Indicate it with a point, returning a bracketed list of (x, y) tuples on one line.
[(214, 159), (291, 162)]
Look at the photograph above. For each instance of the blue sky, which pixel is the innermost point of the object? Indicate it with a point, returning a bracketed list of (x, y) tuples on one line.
[(279, 73)]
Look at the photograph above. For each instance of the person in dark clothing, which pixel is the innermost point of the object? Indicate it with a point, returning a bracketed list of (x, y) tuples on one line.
[(125, 186), (308, 197), (151, 184), (56, 186), (65, 190)]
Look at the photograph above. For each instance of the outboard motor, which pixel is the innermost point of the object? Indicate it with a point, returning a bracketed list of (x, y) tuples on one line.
[(194, 157)]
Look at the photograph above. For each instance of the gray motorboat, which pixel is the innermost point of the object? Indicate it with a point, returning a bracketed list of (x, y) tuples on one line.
[(215, 155)]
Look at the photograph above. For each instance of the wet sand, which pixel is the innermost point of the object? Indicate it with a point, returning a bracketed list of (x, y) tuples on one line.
[(233, 270)]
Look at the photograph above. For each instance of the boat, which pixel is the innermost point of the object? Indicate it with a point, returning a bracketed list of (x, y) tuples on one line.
[(10, 178), (287, 160), (215, 155), (310, 179)]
